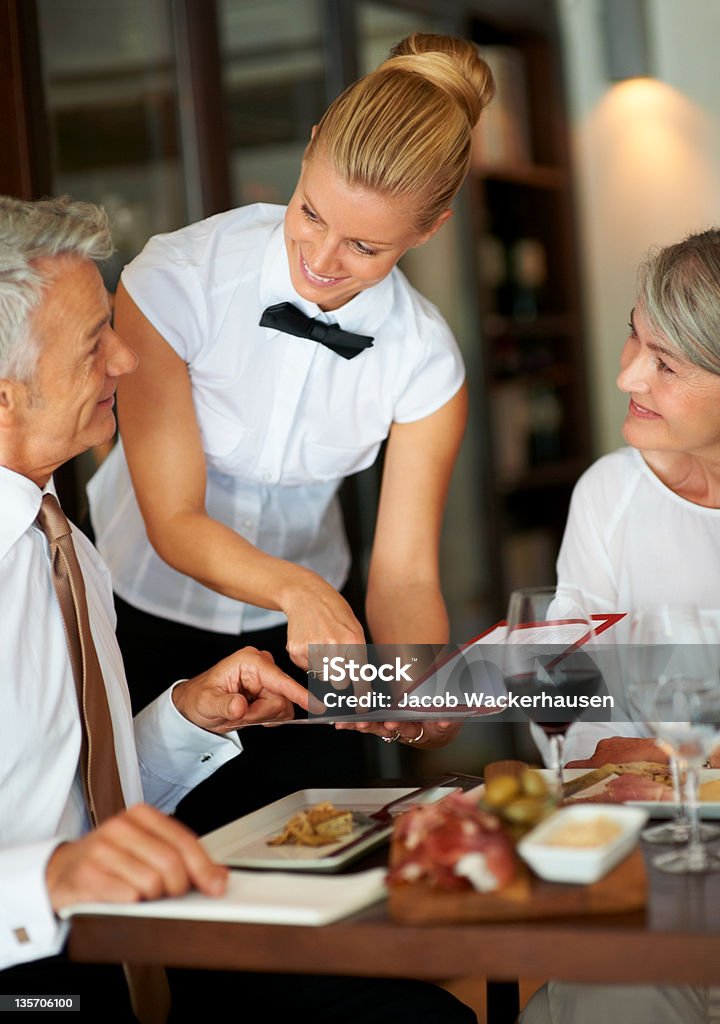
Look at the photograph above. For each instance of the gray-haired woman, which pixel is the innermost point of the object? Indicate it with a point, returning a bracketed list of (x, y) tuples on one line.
[(644, 527)]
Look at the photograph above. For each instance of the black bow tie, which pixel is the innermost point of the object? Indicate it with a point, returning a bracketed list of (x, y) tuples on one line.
[(290, 320)]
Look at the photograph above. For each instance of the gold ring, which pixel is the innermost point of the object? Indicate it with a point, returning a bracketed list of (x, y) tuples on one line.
[(391, 739), (416, 739)]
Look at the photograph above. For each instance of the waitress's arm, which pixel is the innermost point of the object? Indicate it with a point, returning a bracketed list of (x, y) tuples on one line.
[(164, 451), (404, 600)]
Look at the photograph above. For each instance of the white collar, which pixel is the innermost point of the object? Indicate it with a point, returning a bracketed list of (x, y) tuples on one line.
[(20, 501)]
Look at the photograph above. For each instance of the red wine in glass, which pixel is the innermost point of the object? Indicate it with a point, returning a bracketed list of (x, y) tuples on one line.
[(546, 658), (574, 688)]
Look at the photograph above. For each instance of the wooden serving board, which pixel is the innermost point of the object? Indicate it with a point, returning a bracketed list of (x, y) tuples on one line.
[(528, 897)]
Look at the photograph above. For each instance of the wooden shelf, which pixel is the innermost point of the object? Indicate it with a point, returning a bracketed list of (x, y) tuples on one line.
[(534, 366)]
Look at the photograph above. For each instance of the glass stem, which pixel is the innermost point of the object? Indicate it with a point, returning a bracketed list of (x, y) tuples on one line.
[(695, 849), (557, 744), (681, 818)]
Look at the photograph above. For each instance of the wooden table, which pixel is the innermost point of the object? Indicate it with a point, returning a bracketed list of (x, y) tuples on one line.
[(675, 940)]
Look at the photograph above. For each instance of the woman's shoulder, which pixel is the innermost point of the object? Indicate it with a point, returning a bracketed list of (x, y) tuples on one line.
[(609, 478), (223, 236), (620, 465), (421, 322)]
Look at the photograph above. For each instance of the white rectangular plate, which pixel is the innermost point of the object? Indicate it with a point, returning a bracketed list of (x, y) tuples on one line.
[(655, 808), (243, 842)]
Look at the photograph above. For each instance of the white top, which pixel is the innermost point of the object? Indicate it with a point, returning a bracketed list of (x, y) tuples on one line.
[(41, 797), (631, 541), (283, 419)]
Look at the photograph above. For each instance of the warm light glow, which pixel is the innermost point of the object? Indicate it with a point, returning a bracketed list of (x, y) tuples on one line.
[(655, 162)]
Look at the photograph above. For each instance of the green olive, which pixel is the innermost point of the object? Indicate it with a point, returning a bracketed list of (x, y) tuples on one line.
[(523, 810), (533, 784), (500, 790)]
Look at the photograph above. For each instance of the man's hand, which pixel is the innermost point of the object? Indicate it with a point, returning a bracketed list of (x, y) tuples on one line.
[(433, 734), (241, 690), (140, 854)]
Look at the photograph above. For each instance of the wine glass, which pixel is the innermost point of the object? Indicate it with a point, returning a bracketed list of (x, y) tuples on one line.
[(547, 660), (687, 709), (668, 643)]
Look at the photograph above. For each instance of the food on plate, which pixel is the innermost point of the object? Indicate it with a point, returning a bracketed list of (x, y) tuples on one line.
[(623, 750), (649, 769), (591, 778), (520, 800), (710, 790), (452, 844), (624, 788), (319, 825), (647, 781), (584, 834)]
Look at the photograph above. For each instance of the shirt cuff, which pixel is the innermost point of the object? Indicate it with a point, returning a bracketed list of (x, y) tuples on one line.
[(29, 928), (174, 754)]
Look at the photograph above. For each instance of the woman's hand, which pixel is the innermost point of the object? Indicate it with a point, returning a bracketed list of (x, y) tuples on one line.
[(317, 614), (245, 689), (425, 735)]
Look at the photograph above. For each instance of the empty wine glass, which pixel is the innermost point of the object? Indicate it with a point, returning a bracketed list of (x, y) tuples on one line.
[(686, 710), (546, 660), (668, 642)]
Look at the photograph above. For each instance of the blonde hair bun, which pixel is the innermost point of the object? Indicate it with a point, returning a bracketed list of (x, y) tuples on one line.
[(452, 64)]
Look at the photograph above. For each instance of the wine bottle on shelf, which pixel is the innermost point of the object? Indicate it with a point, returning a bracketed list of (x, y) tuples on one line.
[(528, 264)]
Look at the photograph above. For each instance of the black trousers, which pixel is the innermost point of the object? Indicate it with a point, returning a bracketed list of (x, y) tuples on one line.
[(102, 989), (202, 995), (198, 995)]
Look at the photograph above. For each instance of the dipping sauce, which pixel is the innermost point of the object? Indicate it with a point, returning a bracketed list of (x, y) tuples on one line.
[(710, 790), (584, 834)]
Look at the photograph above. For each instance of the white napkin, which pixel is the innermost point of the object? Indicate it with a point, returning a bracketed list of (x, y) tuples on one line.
[(262, 898)]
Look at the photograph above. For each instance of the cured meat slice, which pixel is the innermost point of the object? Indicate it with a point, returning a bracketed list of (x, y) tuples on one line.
[(637, 787), (452, 844), (624, 788)]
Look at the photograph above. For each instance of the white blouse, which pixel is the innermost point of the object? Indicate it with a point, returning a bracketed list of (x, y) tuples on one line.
[(283, 419), (631, 541)]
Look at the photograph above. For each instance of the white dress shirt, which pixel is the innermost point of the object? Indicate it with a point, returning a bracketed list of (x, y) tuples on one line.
[(41, 799), (283, 419)]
